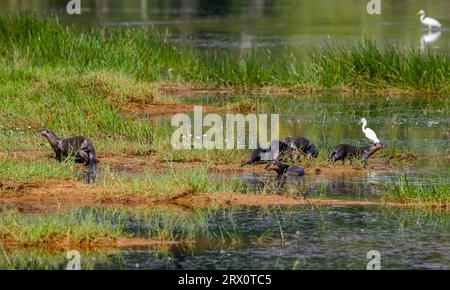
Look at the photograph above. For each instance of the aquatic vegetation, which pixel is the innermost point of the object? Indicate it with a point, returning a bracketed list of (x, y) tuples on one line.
[(55, 230), (189, 181), (44, 259), (144, 55), (168, 225), (84, 228), (427, 192)]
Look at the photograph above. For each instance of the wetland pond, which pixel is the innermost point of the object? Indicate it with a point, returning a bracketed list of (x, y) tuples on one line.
[(274, 25), (305, 237), (276, 237), (288, 237)]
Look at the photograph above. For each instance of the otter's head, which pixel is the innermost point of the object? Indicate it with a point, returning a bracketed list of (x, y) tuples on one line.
[(290, 143), (49, 134), (276, 166), (46, 132)]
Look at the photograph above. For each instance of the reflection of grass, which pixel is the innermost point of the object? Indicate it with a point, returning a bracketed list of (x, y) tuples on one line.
[(405, 191), (38, 259), (92, 227)]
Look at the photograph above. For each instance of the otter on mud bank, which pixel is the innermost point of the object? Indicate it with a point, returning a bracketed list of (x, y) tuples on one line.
[(303, 145), (281, 168), (260, 155), (79, 146), (348, 152)]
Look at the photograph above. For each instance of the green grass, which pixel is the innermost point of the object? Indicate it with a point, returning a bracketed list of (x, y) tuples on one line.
[(19, 169), (29, 41), (53, 229), (84, 227), (428, 192), (188, 181), (45, 259)]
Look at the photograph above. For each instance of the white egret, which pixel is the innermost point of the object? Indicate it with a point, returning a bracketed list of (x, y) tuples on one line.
[(370, 134), (428, 21)]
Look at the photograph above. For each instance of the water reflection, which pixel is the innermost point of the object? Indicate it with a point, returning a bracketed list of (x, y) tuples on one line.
[(248, 24), (301, 237), (427, 39)]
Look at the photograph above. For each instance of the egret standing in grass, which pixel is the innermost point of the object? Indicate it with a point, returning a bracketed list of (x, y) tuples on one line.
[(428, 21), (370, 134)]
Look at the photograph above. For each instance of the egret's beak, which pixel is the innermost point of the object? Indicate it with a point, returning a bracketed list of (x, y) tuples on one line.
[(418, 13)]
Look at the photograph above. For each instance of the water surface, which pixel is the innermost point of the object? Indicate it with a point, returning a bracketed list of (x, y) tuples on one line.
[(275, 25)]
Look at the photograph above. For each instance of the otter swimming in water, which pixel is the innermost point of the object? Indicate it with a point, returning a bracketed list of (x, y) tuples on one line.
[(281, 168), (260, 155), (348, 152), (79, 146)]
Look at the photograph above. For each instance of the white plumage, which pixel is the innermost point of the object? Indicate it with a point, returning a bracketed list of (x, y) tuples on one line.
[(428, 21), (370, 134)]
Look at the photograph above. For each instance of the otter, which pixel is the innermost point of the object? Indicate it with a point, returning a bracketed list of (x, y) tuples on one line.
[(281, 168), (312, 151), (79, 146), (347, 152), (299, 143), (303, 145), (260, 155)]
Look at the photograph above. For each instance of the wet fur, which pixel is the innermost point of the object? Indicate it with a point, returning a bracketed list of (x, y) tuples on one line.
[(348, 152), (80, 147), (262, 155), (281, 168)]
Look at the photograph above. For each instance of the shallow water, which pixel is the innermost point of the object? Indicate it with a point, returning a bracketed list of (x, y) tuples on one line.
[(416, 124), (269, 24), (335, 237), (420, 124), (300, 237)]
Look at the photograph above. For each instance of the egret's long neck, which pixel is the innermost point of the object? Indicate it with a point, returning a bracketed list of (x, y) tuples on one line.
[(363, 126), (422, 17)]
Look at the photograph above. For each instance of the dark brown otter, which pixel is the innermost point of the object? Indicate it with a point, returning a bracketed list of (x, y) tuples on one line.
[(347, 152), (80, 147), (262, 155), (303, 145), (281, 168)]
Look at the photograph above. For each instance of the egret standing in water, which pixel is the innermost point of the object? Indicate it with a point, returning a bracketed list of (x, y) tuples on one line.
[(370, 134), (428, 21)]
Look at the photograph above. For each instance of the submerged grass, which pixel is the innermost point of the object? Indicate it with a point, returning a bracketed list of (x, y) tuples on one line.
[(29, 41)]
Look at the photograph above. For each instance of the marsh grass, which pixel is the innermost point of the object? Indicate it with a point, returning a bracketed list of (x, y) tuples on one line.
[(44, 259), (19, 169), (55, 230), (189, 181), (170, 225), (101, 226), (427, 192), (29, 41)]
